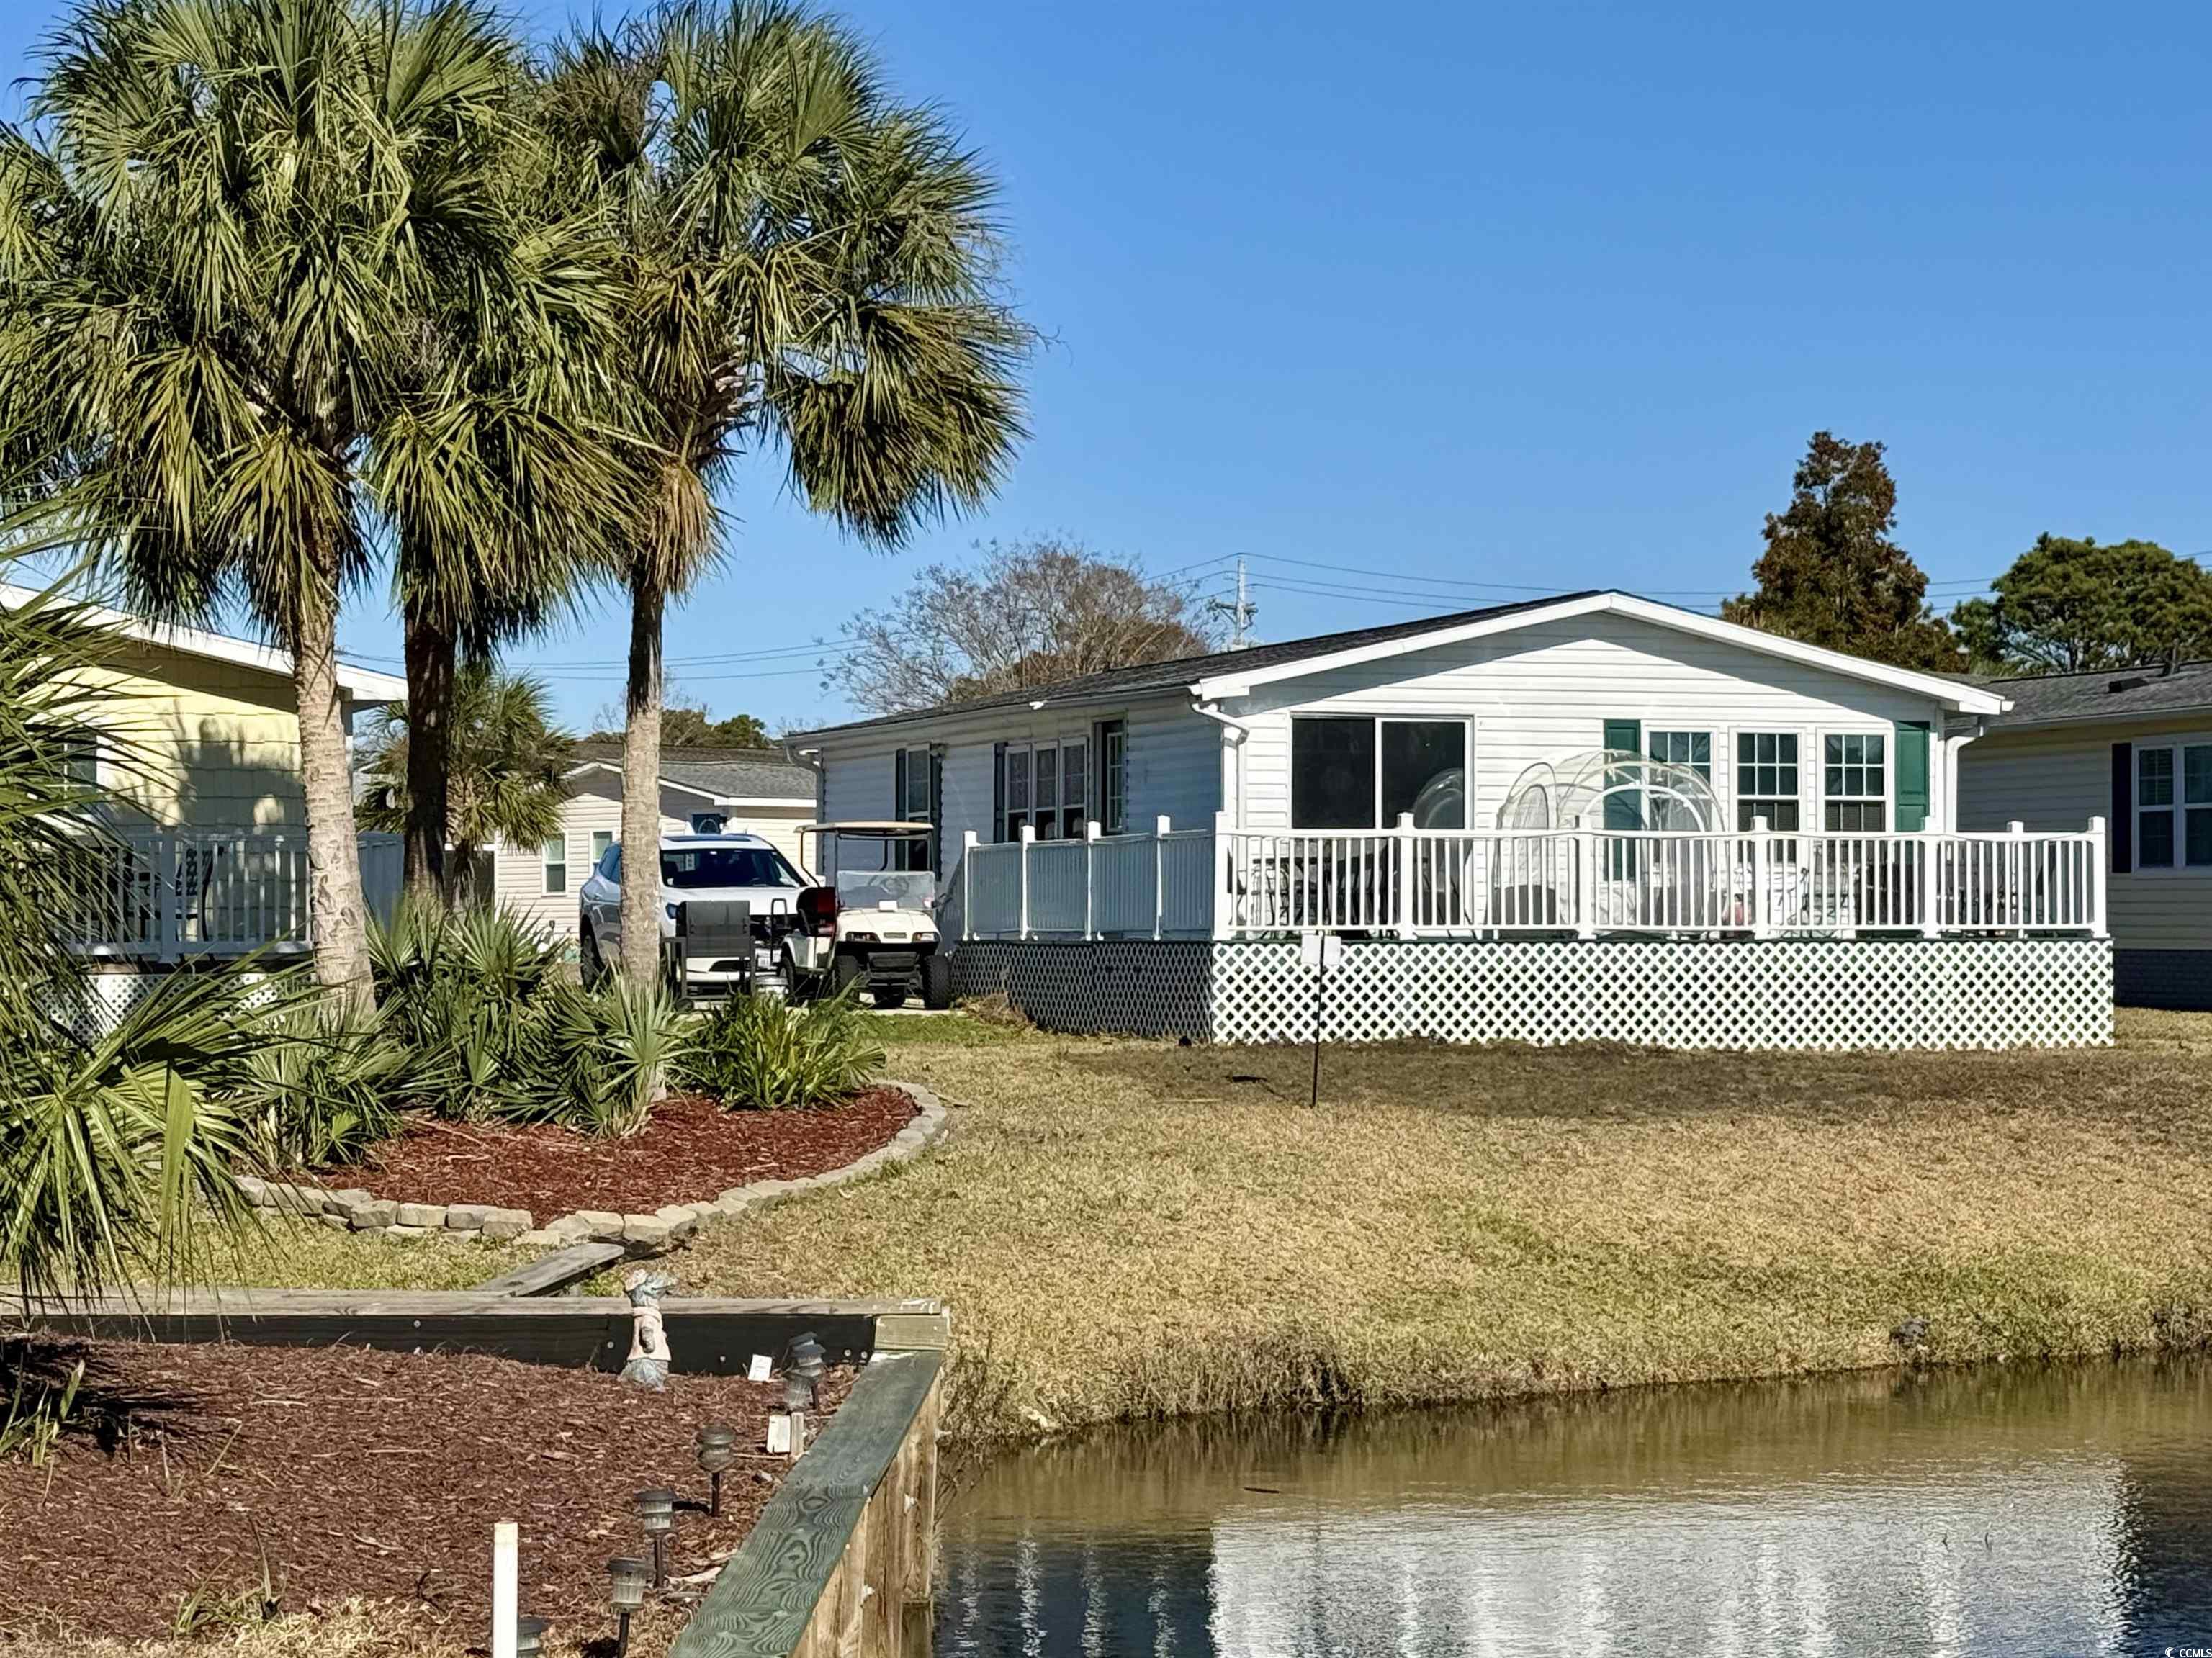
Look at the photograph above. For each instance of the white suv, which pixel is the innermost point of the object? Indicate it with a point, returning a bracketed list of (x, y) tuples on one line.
[(696, 866)]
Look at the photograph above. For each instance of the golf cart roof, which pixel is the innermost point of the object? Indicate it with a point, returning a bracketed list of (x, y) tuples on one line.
[(884, 827)]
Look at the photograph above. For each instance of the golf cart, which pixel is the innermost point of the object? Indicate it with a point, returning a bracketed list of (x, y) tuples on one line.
[(879, 929)]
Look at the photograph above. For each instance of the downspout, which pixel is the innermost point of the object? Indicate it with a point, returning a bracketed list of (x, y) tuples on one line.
[(1952, 745), (1238, 731)]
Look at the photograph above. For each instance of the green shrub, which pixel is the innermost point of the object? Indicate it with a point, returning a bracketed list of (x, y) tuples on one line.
[(467, 997), (488, 1025), (608, 1054), (118, 1153), (327, 1092), (767, 1055)]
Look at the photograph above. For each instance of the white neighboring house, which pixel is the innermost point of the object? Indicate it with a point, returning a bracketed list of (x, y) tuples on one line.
[(1376, 784), (2135, 744), (767, 792)]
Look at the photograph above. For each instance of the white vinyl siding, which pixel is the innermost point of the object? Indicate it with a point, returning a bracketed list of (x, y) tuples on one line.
[(1172, 766), (1545, 692)]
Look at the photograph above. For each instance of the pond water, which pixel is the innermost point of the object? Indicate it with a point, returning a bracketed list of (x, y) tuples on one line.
[(2008, 1509)]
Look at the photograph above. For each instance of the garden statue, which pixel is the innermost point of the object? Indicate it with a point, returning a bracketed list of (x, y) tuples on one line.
[(647, 1364)]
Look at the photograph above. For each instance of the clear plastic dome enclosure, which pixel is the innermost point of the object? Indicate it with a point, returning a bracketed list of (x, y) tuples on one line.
[(1610, 788)]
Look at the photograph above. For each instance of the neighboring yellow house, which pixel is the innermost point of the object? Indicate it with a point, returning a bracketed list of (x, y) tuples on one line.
[(204, 775), (207, 733)]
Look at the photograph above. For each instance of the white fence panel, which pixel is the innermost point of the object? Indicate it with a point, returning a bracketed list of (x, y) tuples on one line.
[(1059, 899), (1186, 882), (1124, 886)]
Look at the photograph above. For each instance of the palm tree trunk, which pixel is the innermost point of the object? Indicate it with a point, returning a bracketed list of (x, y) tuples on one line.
[(336, 909), (429, 651), (641, 806)]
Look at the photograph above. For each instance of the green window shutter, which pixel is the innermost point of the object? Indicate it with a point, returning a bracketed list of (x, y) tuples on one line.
[(1624, 811), (1912, 774)]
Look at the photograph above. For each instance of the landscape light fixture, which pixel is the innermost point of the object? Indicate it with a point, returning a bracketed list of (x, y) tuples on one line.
[(529, 1637), (718, 1448), (656, 1512), (803, 1375), (628, 1579)]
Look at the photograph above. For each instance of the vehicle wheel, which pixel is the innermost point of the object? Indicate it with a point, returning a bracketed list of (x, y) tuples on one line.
[(936, 981), (591, 966), (888, 997), (798, 987), (845, 972)]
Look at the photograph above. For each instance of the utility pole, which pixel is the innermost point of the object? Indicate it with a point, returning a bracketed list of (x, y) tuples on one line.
[(1240, 614)]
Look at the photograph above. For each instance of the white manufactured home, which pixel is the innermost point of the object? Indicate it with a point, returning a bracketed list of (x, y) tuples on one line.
[(1586, 818)]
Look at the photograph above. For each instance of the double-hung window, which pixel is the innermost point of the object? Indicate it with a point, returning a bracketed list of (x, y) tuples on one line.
[(1693, 749), (601, 840), (555, 857), (1362, 772), (2173, 806), (1854, 786), (1044, 791), (1113, 776), (1044, 787), (1766, 778), (914, 784)]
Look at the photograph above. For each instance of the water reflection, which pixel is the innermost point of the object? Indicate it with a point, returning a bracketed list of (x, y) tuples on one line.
[(2015, 1509)]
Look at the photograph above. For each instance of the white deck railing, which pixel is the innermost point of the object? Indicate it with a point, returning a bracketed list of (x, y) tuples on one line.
[(162, 894), (1409, 883)]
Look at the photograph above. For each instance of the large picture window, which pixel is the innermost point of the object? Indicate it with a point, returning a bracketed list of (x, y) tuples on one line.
[(1365, 773), (2173, 806), (1766, 778)]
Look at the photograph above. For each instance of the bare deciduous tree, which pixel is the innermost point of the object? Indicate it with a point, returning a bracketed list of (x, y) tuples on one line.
[(1028, 615)]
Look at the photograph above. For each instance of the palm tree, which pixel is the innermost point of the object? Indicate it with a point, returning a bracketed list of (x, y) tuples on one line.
[(810, 264), (503, 470), (220, 236), (501, 772)]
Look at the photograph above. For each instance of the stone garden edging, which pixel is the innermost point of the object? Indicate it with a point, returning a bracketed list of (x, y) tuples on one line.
[(352, 1209)]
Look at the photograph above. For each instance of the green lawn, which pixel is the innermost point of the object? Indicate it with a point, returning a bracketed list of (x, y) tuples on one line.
[(1127, 1228)]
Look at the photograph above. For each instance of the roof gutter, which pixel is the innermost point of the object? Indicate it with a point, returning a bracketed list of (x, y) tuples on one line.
[(1238, 731)]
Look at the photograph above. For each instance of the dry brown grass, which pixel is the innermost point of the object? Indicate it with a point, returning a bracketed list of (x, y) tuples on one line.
[(1129, 1229)]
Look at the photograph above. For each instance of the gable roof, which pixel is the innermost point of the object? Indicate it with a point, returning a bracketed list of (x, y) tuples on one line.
[(360, 684), (768, 776), (2109, 696), (1233, 673)]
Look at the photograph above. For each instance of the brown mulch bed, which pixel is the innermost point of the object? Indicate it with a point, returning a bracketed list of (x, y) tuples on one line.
[(352, 1473), (692, 1149)]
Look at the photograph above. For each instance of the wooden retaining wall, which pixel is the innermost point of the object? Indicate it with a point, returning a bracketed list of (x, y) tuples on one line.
[(709, 1335), (842, 1559)]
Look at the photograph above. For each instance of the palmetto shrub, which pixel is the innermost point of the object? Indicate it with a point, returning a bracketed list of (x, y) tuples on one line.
[(768, 1055), (118, 1153), (609, 1054), (488, 1024), (466, 996), (327, 1091)]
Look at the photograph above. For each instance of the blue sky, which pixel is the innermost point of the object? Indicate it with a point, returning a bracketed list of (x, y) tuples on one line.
[(1527, 298)]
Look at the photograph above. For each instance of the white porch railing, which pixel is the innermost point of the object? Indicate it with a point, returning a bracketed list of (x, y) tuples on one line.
[(1409, 883), (162, 894)]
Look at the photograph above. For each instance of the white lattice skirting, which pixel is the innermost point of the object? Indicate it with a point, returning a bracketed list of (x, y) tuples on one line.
[(1777, 994)]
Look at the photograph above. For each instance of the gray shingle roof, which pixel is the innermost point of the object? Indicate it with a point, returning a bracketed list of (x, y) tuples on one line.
[(727, 773), (1152, 678), (2114, 694)]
